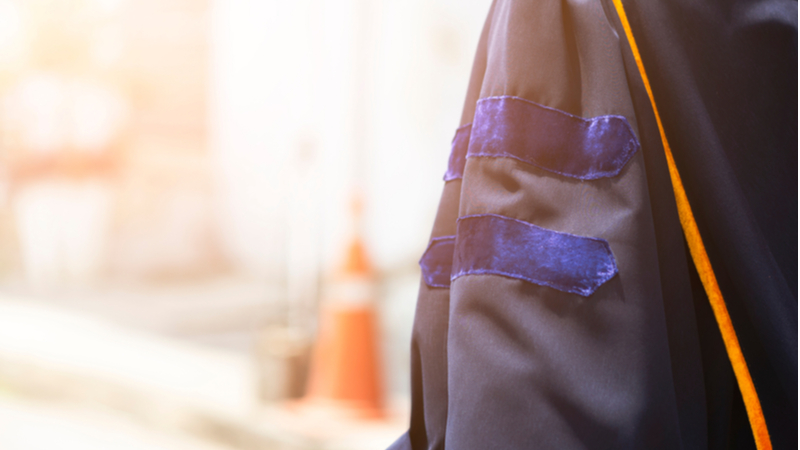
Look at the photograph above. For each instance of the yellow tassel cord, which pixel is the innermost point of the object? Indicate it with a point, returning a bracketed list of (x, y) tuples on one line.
[(703, 265)]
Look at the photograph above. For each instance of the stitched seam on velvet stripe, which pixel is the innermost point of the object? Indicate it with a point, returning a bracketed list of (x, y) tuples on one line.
[(547, 260), (550, 108), (615, 125), (427, 262), (526, 161), (558, 111)]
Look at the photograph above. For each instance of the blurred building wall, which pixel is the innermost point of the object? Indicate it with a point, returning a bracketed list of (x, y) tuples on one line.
[(249, 124), (153, 218), (244, 131), (166, 225)]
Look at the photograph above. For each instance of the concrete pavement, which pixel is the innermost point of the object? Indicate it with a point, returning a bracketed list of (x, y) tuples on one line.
[(54, 354)]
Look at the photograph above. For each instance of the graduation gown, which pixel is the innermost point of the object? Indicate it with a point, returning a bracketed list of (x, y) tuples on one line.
[(559, 306)]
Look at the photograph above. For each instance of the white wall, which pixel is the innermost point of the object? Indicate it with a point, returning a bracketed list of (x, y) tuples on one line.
[(306, 86), (312, 98)]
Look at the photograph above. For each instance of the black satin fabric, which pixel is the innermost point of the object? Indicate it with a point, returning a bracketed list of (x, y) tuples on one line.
[(724, 76), (505, 363)]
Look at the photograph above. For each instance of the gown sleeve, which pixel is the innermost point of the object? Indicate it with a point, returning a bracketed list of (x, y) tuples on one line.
[(541, 321)]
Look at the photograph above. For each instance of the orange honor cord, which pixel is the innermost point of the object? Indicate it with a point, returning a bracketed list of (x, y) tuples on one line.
[(703, 265)]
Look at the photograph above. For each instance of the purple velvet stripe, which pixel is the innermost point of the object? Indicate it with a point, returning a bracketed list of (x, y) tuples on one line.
[(498, 245), (587, 149), (458, 153), (437, 261)]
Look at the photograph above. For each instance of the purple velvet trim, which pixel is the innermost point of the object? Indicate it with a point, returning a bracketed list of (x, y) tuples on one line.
[(498, 245), (437, 261), (586, 149), (458, 153)]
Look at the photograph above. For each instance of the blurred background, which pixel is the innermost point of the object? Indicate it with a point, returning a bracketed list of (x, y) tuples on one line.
[(189, 188)]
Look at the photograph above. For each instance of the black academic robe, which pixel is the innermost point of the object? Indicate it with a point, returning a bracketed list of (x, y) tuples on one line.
[(559, 307)]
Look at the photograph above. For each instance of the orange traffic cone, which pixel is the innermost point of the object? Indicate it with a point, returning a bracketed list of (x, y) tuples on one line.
[(345, 367)]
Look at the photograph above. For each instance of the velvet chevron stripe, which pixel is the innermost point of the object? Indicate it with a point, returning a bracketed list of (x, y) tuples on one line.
[(458, 153), (437, 261), (489, 244), (553, 140)]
